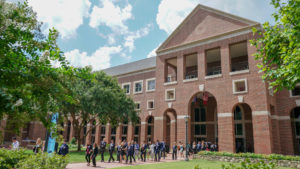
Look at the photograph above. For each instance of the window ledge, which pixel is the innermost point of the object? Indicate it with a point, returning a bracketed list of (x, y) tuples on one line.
[(190, 80), (240, 92), (213, 76), (137, 92), (170, 83), (169, 100), (239, 72), (149, 91)]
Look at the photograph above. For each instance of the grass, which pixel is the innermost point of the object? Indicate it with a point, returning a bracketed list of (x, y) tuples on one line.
[(182, 165)]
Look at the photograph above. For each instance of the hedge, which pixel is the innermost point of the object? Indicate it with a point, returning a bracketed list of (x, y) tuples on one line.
[(252, 155)]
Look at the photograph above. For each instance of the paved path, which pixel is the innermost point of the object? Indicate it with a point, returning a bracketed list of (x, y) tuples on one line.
[(117, 164)]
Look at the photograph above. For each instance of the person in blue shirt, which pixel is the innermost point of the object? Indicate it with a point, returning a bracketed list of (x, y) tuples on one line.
[(163, 149), (111, 151), (143, 151), (136, 151), (130, 152), (64, 149), (157, 150), (198, 147), (119, 149), (174, 152)]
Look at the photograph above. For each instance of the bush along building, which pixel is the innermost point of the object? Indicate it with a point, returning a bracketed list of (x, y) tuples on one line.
[(205, 70)]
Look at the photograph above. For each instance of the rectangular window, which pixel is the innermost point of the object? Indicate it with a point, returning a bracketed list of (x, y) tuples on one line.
[(296, 91), (239, 56), (239, 86), (113, 131), (136, 130), (138, 105), (170, 94), (197, 115), (150, 104), (126, 87), (150, 84), (138, 87), (213, 62), (191, 66), (170, 72), (238, 129), (203, 115), (124, 130), (149, 130), (297, 128), (102, 130), (200, 129)]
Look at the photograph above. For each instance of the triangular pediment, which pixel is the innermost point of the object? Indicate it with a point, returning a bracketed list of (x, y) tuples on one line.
[(202, 23)]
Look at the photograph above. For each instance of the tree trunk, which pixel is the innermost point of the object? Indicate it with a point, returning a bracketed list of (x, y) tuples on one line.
[(79, 144)]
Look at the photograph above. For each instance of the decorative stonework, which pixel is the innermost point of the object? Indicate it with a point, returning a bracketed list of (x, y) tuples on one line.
[(170, 105), (241, 99), (201, 87)]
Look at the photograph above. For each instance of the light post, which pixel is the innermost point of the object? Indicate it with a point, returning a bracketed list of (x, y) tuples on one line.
[(186, 118)]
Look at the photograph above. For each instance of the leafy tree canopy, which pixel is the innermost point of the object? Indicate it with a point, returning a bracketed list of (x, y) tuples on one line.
[(279, 46)]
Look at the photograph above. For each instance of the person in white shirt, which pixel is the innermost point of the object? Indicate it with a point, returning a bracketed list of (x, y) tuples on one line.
[(15, 144)]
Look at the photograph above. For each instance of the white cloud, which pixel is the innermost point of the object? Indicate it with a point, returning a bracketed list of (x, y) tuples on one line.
[(132, 36), (153, 52), (172, 12), (100, 59), (65, 15), (111, 16)]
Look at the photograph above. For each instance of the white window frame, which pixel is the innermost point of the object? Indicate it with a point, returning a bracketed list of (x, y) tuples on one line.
[(135, 82), (147, 85), (291, 95), (127, 83), (149, 108), (137, 102), (166, 94), (239, 80)]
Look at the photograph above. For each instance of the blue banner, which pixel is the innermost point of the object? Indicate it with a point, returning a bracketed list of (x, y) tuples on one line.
[(51, 140)]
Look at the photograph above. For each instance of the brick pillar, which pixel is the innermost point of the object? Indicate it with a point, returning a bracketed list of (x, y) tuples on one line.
[(262, 135), (201, 65), (130, 131), (225, 60), (119, 133), (286, 135), (88, 138), (173, 132), (226, 132), (107, 133), (143, 133), (180, 68), (158, 128), (181, 129), (98, 133)]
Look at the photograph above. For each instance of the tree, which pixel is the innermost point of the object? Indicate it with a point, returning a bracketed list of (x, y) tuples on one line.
[(29, 86), (279, 46), (95, 96)]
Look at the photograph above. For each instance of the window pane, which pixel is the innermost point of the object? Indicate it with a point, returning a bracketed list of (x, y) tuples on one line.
[(138, 87), (203, 115), (136, 130), (238, 129), (203, 129), (197, 129), (296, 91), (149, 130), (297, 125), (102, 130), (197, 115), (237, 113), (124, 131), (151, 85)]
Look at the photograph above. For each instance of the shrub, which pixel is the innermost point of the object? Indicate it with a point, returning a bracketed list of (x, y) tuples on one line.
[(44, 161), (9, 158), (73, 140), (248, 165)]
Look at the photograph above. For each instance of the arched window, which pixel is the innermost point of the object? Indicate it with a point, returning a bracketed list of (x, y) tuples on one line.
[(295, 119)]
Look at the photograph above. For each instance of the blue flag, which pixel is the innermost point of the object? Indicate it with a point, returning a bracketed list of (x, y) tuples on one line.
[(51, 140)]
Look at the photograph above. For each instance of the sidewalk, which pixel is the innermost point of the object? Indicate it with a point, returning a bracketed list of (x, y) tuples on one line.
[(117, 164)]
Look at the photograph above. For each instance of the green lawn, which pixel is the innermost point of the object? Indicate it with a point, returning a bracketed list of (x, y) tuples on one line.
[(79, 157), (182, 165)]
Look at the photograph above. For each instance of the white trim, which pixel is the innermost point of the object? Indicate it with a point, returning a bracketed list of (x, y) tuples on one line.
[(224, 115), (137, 102), (147, 85), (239, 72), (173, 121), (127, 83), (170, 83), (166, 94), (148, 108), (297, 85), (190, 80), (135, 82), (143, 122), (213, 76), (275, 117), (135, 72), (297, 102), (182, 116), (261, 113), (239, 80), (159, 118)]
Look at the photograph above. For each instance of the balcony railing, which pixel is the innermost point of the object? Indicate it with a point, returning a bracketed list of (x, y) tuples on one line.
[(239, 66), (191, 74), (171, 79), (213, 70)]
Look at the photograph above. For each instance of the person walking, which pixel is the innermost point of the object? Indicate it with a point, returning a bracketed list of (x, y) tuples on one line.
[(94, 154), (157, 151), (130, 153), (15, 144), (198, 147), (88, 152), (111, 151), (136, 151), (119, 149), (102, 149), (174, 152), (123, 150), (38, 145), (143, 151), (181, 148), (152, 150), (64, 149), (163, 149), (194, 148)]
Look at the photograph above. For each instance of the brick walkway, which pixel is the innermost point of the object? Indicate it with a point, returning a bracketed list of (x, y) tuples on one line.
[(117, 164)]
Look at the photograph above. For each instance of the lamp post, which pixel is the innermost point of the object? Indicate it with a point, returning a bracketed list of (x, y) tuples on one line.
[(186, 118)]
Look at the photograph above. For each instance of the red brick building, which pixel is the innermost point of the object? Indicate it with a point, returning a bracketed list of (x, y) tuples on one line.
[(205, 71)]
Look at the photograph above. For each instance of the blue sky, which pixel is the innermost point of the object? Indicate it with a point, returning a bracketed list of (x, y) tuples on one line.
[(106, 33)]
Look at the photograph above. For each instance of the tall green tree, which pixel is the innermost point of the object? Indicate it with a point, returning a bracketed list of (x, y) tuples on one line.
[(95, 96), (29, 84), (279, 46)]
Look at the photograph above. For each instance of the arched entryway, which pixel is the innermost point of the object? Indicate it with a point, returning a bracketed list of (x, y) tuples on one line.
[(150, 128), (203, 114), (295, 120), (243, 128), (170, 127)]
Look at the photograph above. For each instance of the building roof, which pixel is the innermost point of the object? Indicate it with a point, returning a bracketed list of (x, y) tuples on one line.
[(131, 67)]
